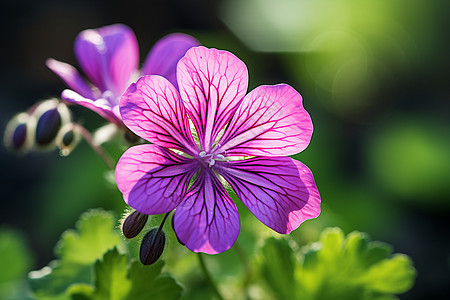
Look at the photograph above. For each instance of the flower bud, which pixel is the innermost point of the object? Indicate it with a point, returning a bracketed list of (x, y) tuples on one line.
[(152, 246), (17, 134), (51, 116), (68, 137), (133, 224)]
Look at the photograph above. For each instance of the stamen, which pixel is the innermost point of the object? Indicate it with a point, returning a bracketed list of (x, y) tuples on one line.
[(211, 157), (212, 162)]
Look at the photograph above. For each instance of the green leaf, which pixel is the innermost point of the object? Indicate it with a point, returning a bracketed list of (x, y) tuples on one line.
[(15, 259), (148, 280), (394, 275), (56, 278), (352, 267), (278, 269), (91, 268), (95, 235), (111, 276), (77, 251), (111, 280), (336, 267), (81, 291), (115, 281), (375, 252), (332, 244), (15, 262)]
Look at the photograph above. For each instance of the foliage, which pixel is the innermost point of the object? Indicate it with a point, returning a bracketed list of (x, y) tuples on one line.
[(336, 267), (93, 264), (15, 262)]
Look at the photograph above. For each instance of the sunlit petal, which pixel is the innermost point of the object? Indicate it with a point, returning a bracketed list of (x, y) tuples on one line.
[(165, 54), (71, 77), (207, 220), (153, 180), (212, 84), (108, 55), (100, 106), (152, 109), (279, 191), (270, 121)]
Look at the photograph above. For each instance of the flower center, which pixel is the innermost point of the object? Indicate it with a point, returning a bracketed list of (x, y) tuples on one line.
[(211, 158)]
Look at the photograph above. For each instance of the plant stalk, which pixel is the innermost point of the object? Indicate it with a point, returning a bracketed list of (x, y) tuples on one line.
[(208, 276), (99, 150)]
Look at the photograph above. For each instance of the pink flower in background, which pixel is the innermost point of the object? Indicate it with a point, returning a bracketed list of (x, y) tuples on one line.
[(211, 133), (109, 57)]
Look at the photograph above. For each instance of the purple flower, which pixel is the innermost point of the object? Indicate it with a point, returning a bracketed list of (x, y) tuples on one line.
[(210, 134), (109, 57)]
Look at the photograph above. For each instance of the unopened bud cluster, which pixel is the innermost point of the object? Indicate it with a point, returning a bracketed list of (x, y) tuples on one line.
[(46, 125), (152, 245)]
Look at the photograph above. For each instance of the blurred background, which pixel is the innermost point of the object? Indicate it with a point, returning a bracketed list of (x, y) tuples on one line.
[(374, 76)]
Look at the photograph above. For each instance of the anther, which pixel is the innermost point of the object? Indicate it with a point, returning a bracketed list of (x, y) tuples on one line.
[(212, 162)]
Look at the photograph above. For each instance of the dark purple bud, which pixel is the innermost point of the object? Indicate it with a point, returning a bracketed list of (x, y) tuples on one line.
[(152, 246), (51, 116), (68, 137), (47, 127), (19, 136), (17, 133), (133, 224)]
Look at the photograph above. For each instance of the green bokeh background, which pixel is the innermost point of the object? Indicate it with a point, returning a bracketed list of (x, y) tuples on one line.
[(374, 76)]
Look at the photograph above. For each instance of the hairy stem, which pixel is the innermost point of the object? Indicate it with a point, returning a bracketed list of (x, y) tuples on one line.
[(99, 150), (208, 276), (163, 221)]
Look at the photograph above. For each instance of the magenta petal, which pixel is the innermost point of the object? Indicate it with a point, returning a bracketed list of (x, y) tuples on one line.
[(108, 55), (270, 121), (153, 180), (100, 106), (71, 77), (165, 54), (212, 84), (207, 220), (279, 191), (152, 109)]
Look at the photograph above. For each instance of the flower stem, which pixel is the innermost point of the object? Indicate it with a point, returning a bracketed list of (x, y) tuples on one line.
[(247, 269), (163, 221), (208, 276), (99, 150)]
